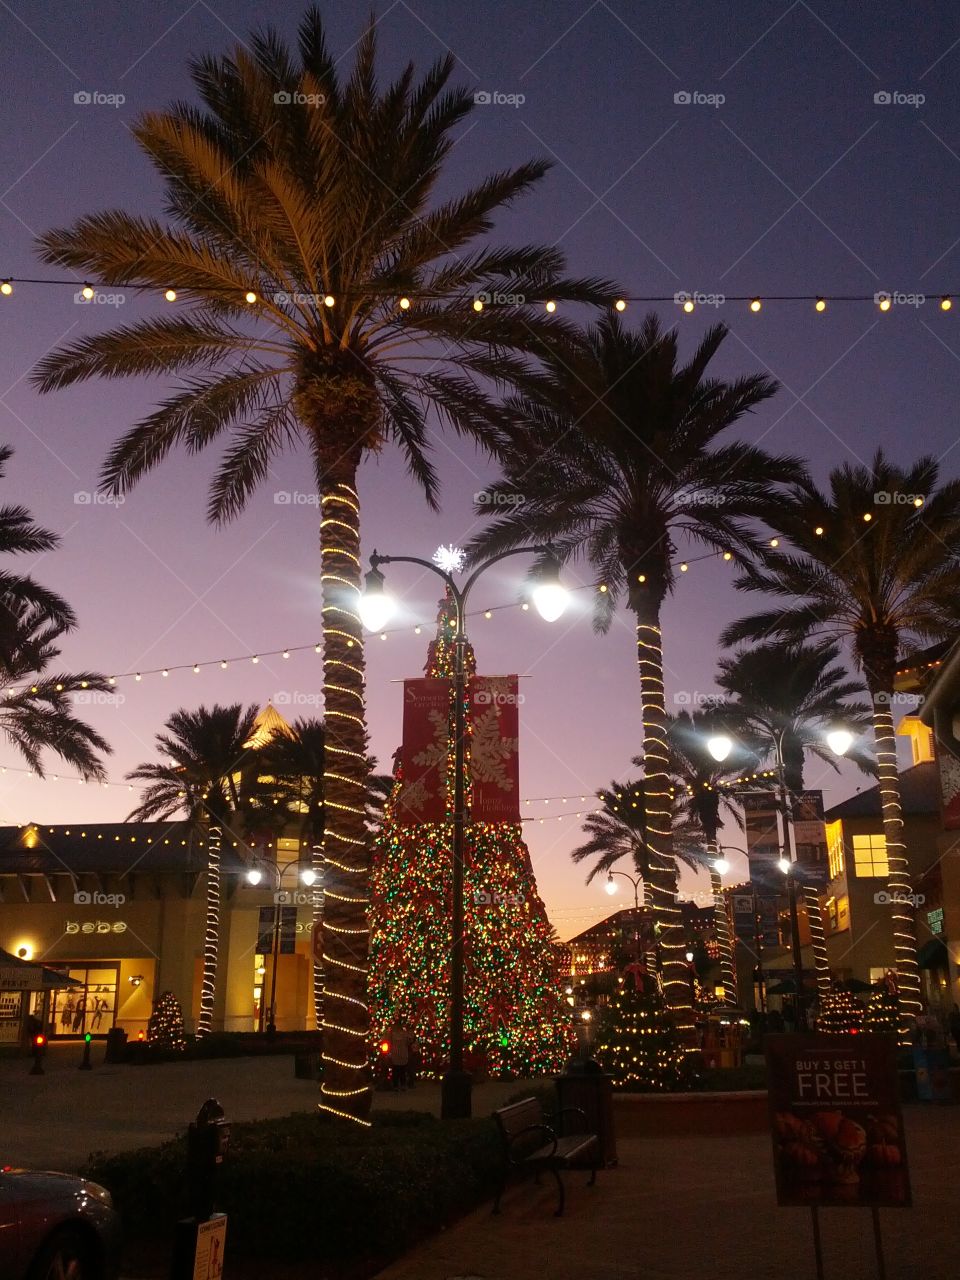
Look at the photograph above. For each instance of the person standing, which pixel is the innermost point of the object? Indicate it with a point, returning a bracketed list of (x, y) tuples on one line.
[(401, 1042)]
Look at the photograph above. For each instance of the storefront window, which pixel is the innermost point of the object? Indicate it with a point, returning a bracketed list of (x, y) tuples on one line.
[(91, 1007)]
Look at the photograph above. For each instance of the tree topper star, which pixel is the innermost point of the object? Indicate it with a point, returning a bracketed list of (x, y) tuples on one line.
[(449, 559)]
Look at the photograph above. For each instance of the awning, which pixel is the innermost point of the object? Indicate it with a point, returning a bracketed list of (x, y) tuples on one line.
[(24, 975), (933, 954)]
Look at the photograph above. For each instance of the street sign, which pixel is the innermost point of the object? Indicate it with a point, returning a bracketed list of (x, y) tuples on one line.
[(835, 1120)]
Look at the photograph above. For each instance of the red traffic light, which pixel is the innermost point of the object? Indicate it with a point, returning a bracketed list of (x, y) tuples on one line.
[(384, 1046), (39, 1041)]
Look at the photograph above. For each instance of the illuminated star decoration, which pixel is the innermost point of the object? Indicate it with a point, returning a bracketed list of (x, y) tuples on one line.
[(449, 559)]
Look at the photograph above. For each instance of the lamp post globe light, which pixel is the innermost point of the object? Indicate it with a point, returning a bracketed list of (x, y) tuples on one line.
[(254, 875), (376, 608)]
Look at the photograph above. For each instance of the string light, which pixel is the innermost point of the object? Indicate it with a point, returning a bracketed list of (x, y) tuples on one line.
[(755, 302)]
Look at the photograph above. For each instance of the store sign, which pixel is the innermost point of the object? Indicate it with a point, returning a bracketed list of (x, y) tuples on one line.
[(835, 1121), (95, 926), (14, 978)]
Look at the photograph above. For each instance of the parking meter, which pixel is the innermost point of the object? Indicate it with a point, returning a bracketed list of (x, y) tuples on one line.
[(207, 1140)]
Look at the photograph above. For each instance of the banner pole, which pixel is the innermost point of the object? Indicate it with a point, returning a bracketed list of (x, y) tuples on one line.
[(817, 1250), (878, 1243)]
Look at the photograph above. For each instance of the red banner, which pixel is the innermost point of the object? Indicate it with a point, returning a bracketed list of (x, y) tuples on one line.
[(835, 1113), (494, 759), (426, 743)]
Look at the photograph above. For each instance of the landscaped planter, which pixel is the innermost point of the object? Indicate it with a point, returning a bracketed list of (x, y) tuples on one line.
[(670, 1115)]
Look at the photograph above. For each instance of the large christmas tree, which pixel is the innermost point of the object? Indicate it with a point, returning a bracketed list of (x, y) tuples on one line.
[(517, 1021)]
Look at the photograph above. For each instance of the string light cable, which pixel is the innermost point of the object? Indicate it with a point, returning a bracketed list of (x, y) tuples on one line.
[(686, 300)]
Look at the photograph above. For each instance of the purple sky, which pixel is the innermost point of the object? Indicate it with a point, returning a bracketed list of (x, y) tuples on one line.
[(798, 182)]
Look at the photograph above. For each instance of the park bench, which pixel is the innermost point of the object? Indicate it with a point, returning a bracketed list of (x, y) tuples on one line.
[(531, 1145)]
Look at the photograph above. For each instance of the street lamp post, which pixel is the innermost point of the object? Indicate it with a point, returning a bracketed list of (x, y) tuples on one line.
[(722, 866), (308, 877), (636, 881), (549, 598)]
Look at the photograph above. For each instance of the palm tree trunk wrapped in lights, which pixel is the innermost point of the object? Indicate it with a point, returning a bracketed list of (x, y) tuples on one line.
[(721, 919), (211, 933), (899, 884), (345, 929), (662, 884)]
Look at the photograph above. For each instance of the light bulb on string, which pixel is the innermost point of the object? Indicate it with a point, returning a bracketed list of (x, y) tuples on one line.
[(6, 288), (170, 295), (250, 297)]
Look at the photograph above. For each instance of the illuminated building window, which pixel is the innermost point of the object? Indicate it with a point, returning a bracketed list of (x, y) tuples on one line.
[(835, 848), (870, 856)]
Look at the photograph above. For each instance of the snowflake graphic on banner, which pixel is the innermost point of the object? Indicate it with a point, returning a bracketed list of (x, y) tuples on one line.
[(489, 752), (434, 757)]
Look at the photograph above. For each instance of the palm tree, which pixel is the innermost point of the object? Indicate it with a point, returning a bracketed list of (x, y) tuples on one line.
[(204, 753), (703, 800), (617, 830), (36, 713), (613, 456), (791, 694), (331, 302), (874, 563)]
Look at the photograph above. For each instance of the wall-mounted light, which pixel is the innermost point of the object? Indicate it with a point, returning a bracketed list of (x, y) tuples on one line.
[(135, 979)]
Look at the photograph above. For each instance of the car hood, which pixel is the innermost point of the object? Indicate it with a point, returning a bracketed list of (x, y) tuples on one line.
[(22, 1185)]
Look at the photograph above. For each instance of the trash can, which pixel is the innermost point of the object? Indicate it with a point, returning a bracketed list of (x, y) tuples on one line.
[(116, 1050), (584, 1085)]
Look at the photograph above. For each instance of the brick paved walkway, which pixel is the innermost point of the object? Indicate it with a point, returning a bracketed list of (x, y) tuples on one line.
[(703, 1209)]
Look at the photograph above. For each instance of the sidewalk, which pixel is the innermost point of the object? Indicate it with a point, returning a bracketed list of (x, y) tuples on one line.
[(56, 1120), (688, 1208)]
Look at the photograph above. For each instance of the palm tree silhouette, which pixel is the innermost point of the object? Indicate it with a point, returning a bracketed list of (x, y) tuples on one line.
[(326, 296), (873, 564), (614, 456), (204, 753)]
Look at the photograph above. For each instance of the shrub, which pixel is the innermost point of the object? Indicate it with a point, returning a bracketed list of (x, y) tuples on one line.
[(305, 1188)]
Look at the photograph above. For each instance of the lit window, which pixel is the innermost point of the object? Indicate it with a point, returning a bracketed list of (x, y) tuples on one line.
[(870, 856), (835, 848)]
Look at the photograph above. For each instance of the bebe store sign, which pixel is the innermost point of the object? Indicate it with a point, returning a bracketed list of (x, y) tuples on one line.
[(96, 926)]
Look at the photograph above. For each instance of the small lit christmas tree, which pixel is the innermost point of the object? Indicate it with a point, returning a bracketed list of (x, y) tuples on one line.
[(638, 1044), (840, 1012), (882, 1012), (165, 1028)]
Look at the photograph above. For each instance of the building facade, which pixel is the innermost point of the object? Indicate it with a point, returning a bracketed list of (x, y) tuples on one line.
[(121, 909)]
